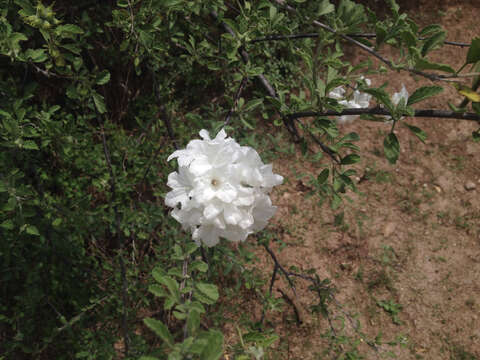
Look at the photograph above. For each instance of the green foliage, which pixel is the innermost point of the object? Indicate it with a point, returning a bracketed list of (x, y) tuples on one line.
[(423, 93), (391, 147), (392, 308)]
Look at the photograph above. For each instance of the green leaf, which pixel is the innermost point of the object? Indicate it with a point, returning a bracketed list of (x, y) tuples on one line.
[(350, 159), (391, 148), (433, 42), (214, 348), (160, 329), (30, 145), (208, 293), (417, 132), (394, 7), (157, 290), (199, 266), (190, 248), (143, 357), (476, 135), (353, 136), (423, 93), (26, 5), (323, 176), (336, 201), (381, 33), (272, 12), (11, 204), (99, 102), (32, 230), (325, 8), (423, 64), (7, 224), (74, 29), (170, 283), (430, 29), (37, 55), (56, 222), (381, 96), (473, 54), (252, 104), (103, 78), (193, 322)]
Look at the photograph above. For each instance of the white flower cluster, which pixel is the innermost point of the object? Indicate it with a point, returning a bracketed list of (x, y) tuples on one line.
[(222, 189), (359, 100)]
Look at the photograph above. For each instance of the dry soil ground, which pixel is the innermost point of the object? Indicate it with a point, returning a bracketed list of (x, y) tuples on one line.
[(406, 259)]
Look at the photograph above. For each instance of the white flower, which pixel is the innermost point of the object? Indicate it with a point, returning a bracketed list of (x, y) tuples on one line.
[(396, 97), (359, 100), (403, 94), (221, 189)]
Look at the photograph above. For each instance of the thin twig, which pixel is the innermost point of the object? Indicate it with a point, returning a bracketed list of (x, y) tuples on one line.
[(280, 267), (355, 326), (119, 242), (152, 160), (235, 100), (446, 42), (295, 307), (355, 35), (168, 124), (445, 114), (270, 289), (324, 148)]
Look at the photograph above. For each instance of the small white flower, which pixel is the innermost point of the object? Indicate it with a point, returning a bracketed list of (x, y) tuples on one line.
[(221, 189), (396, 97), (403, 94), (359, 100)]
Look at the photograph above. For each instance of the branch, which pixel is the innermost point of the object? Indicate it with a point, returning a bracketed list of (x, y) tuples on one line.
[(445, 114), (235, 100), (279, 267), (119, 243), (168, 125), (314, 35), (446, 42), (324, 148)]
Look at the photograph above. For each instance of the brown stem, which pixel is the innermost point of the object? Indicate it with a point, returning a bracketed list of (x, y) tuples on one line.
[(445, 114)]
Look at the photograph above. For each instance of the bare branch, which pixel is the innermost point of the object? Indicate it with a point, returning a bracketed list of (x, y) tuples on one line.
[(445, 114), (355, 35)]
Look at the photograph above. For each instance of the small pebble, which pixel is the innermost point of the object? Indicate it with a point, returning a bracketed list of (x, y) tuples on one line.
[(470, 185)]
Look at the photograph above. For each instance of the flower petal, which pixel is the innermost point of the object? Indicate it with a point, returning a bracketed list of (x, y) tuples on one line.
[(212, 210), (207, 234), (227, 192)]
